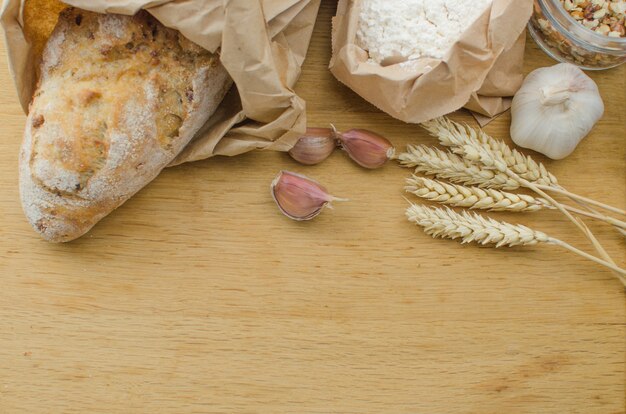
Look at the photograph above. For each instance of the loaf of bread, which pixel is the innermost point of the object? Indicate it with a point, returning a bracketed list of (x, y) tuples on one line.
[(118, 98)]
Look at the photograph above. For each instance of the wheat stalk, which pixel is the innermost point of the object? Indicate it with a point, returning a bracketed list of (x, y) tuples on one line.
[(454, 134), (449, 166), (464, 141), (581, 200), (476, 146), (472, 227), (473, 197)]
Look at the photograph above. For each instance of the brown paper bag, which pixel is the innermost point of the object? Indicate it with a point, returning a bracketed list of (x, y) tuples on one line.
[(481, 70), (262, 46)]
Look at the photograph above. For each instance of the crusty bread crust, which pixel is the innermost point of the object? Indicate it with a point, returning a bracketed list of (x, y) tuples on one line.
[(119, 97)]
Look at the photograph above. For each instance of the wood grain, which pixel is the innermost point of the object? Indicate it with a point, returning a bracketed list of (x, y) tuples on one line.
[(197, 296)]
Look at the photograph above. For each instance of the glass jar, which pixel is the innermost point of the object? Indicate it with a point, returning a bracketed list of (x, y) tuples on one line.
[(567, 40)]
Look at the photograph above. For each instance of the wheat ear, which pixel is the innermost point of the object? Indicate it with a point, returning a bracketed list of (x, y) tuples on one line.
[(477, 146), (473, 197), (466, 143), (454, 134), (449, 166), (490, 199), (472, 227)]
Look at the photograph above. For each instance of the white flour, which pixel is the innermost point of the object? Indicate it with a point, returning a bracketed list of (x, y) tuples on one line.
[(398, 30)]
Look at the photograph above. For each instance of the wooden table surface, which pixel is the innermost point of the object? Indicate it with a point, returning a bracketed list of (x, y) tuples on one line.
[(197, 296)]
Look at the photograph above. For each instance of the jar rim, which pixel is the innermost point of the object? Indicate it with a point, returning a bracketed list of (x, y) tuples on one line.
[(582, 29)]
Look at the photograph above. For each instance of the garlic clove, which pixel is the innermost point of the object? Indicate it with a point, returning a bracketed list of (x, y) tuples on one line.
[(299, 197), (314, 146), (366, 148), (555, 108)]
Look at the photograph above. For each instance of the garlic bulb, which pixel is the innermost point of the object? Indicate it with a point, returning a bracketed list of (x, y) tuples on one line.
[(554, 110)]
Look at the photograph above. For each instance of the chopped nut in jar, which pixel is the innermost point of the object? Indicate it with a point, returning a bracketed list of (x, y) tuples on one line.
[(561, 28), (606, 17)]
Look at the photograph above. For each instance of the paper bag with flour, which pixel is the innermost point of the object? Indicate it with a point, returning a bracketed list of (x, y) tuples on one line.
[(481, 71)]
